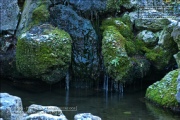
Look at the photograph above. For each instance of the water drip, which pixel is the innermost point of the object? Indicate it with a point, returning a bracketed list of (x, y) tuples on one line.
[(106, 79), (67, 98), (67, 81)]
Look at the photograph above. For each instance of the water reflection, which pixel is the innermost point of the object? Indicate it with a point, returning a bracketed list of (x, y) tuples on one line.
[(107, 105)]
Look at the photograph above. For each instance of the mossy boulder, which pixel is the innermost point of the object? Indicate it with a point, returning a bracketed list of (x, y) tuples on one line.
[(158, 56), (163, 92), (44, 52), (116, 60)]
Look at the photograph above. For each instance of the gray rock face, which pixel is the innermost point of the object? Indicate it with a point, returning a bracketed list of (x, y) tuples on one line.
[(147, 36), (85, 42), (44, 113), (151, 24), (178, 89), (26, 16), (176, 35), (11, 107), (177, 58), (165, 38), (84, 5), (86, 116), (9, 15)]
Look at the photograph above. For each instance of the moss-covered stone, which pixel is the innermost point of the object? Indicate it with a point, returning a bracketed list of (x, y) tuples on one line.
[(124, 29), (40, 14), (42, 50), (163, 92), (116, 61)]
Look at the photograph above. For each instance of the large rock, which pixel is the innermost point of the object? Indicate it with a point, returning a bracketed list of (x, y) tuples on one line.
[(85, 6), (165, 39), (148, 37), (176, 35), (9, 13), (85, 60), (44, 113), (34, 13), (11, 107), (44, 52), (177, 58), (116, 60), (163, 92), (178, 89), (88, 116), (151, 24)]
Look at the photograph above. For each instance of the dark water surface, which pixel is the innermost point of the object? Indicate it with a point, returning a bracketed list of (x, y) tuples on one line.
[(109, 106)]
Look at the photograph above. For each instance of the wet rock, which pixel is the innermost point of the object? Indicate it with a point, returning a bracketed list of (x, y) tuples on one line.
[(85, 60), (151, 24), (177, 58), (116, 60), (44, 113), (85, 6), (161, 91), (88, 116), (34, 13), (176, 35), (44, 52), (178, 89), (11, 107), (53, 110), (165, 39), (7, 56), (45, 116), (9, 13), (148, 37)]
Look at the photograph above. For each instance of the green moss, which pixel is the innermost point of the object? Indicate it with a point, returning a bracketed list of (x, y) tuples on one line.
[(122, 28), (35, 57), (112, 5), (163, 92), (158, 56), (40, 14), (115, 57)]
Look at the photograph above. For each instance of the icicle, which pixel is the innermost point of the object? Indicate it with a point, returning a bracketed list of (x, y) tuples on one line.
[(67, 81)]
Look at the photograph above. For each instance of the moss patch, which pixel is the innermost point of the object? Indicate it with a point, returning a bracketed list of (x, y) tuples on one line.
[(115, 57), (40, 14), (163, 92)]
